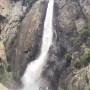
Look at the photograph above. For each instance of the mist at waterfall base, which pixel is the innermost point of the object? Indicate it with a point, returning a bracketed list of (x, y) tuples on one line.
[(31, 77)]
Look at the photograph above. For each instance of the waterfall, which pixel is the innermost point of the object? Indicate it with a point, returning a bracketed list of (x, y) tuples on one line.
[(33, 71)]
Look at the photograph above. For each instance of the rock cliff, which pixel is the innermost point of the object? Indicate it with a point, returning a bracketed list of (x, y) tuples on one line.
[(21, 28), (72, 19)]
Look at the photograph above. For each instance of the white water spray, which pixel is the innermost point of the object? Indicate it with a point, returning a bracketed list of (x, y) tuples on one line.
[(32, 74)]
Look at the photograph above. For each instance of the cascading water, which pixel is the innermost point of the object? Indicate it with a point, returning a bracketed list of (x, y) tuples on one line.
[(33, 71)]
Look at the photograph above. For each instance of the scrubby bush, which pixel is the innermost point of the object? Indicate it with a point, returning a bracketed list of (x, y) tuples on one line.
[(77, 64), (84, 59), (84, 33), (30, 2), (68, 58), (81, 38)]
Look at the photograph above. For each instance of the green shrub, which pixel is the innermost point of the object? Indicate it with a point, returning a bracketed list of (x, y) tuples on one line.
[(84, 59), (77, 64), (30, 2), (81, 38), (68, 58), (84, 33)]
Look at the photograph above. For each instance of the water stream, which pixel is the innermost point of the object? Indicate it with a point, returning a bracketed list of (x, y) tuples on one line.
[(34, 69)]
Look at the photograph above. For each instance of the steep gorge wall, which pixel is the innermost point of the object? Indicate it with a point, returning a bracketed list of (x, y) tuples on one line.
[(71, 16)]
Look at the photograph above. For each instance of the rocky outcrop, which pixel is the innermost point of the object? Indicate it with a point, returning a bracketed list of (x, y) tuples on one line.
[(11, 28), (11, 15), (79, 79)]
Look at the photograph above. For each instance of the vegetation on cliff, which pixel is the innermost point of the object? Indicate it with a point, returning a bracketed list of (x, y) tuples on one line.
[(82, 42)]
